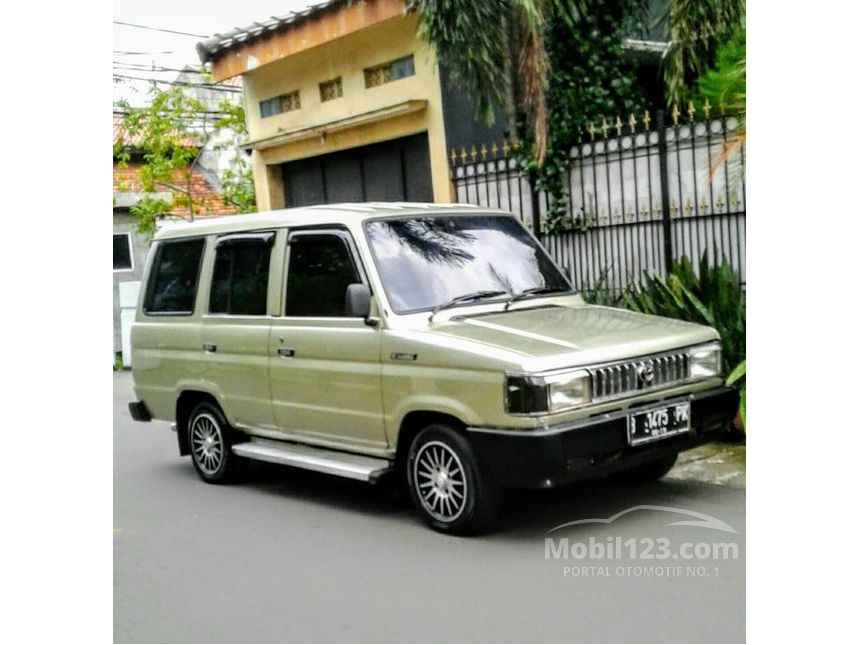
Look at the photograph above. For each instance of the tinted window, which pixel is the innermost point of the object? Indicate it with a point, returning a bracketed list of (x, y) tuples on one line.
[(121, 252), (240, 279), (173, 283), (320, 269), (426, 261)]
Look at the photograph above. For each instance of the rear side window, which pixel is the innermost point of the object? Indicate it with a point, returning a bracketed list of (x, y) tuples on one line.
[(320, 270), (240, 279), (173, 281)]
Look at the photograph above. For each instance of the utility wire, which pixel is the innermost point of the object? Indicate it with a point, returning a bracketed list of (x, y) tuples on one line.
[(167, 31), (126, 53), (143, 67), (209, 86)]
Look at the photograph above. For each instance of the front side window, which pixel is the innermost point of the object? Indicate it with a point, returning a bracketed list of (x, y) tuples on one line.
[(428, 261), (320, 269), (240, 278), (173, 281)]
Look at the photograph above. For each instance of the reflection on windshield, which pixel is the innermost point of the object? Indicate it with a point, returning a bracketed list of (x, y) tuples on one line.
[(426, 261)]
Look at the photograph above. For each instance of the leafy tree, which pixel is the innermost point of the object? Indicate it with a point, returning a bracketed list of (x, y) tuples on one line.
[(169, 135)]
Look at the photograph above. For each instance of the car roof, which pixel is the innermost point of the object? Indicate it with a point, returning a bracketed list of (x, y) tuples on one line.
[(310, 215)]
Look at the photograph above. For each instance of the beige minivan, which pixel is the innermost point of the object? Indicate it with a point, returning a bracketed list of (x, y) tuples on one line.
[(434, 345)]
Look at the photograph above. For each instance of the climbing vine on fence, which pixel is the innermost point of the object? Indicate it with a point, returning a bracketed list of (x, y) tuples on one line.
[(590, 78)]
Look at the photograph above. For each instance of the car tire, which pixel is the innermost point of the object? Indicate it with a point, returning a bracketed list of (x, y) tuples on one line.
[(648, 472), (211, 439), (450, 489)]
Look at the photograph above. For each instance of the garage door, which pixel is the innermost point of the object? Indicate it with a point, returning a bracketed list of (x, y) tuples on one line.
[(397, 170)]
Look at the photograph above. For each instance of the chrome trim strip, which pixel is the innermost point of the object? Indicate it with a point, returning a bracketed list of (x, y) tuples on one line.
[(332, 462)]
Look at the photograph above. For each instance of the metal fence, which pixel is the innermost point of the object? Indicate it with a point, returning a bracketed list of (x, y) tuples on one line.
[(638, 195)]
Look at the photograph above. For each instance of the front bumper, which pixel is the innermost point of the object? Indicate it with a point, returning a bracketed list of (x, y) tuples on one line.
[(597, 445)]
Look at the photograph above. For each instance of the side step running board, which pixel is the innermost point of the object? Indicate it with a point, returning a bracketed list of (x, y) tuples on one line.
[(333, 462)]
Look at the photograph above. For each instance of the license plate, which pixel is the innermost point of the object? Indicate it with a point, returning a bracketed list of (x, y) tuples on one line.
[(658, 423)]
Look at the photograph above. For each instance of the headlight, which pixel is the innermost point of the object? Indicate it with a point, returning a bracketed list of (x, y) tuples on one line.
[(527, 394), (706, 360)]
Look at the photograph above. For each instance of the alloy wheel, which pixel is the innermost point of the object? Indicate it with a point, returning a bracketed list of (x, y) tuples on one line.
[(440, 481), (207, 443)]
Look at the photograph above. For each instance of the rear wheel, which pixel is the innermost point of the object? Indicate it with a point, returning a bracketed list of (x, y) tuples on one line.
[(211, 439), (448, 486), (648, 472)]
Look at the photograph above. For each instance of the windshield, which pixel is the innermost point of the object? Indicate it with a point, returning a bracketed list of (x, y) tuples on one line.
[(428, 261)]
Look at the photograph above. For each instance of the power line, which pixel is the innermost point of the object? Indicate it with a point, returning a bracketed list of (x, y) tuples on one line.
[(167, 31), (133, 67), (125, 53), (209, 86)]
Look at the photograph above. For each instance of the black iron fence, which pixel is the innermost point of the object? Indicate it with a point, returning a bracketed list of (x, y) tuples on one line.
[(637, 195)]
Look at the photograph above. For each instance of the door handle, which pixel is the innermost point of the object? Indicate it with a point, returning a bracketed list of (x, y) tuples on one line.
[(209, 347), (286, 352)]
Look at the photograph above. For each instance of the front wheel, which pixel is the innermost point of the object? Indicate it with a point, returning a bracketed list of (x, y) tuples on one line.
[(448, 486), (211, 441)]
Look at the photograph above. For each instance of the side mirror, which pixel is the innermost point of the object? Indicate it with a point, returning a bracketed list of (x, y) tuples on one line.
[(357, 301)]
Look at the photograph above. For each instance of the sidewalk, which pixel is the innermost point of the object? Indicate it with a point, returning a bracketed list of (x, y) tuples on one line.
[(713, 463)]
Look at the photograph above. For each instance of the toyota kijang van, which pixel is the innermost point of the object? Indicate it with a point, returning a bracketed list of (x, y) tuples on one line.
[(435, 345)]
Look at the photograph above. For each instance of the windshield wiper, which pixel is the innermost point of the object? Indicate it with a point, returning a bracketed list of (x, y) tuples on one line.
[(466, 297), (525, 293)]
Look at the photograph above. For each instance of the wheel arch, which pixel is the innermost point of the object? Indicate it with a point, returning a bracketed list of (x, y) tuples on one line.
[(185, 403), (411, 424)]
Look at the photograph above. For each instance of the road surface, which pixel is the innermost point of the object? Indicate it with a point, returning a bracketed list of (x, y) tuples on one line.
[(292, 556)]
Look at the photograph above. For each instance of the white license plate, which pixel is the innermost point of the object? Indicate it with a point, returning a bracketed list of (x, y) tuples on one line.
[(658, 423)]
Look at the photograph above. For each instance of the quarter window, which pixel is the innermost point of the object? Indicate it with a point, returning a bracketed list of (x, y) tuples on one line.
[(320, 269), (122, 252), (173, 283), (240, 278)]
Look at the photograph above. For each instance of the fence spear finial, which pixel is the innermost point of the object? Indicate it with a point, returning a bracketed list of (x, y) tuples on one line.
[(453, 156), (473, 152), (632, 123), (706, 108), (618, 125), (591, 129), (505, 147), (483, 152), (675, 114), (462, 154), (604, 127), (691, 110), (647, 120), (495, 150)]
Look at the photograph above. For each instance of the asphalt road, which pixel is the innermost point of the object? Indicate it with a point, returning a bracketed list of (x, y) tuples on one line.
[(295, 556)]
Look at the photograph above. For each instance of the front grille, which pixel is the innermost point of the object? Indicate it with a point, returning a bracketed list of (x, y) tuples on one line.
[(632, 377)]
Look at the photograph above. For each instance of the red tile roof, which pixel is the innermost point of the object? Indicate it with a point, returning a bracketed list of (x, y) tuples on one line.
[(119, 133), (205, 198)]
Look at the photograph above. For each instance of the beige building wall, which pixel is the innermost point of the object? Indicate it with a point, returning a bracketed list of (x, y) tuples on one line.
[(346, 57)]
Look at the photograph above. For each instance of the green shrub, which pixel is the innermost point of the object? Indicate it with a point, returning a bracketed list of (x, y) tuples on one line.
[(713, 298)]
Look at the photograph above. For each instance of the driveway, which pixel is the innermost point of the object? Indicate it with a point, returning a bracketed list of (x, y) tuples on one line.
[(295, 556)]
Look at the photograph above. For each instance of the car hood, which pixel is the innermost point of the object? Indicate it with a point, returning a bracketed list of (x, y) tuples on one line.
[(556, 336)]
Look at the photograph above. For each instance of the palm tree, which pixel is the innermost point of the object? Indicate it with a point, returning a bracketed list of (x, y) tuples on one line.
[(696, 30), (481, 42)]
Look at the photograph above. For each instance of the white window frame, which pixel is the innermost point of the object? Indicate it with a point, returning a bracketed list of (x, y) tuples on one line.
[(130, 254)]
